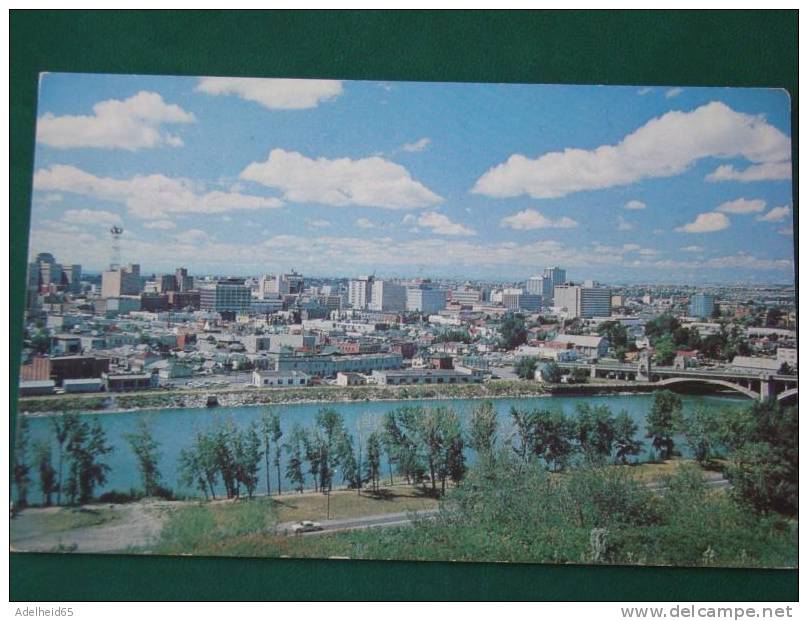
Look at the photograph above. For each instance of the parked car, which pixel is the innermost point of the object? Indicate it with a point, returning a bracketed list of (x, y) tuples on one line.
[(306, 526)]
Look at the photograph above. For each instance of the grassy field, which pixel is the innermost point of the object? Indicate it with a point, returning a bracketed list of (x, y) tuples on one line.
[(60, 519), (348, 504)]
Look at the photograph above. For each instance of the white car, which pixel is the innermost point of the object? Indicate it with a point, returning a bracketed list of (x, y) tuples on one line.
[(306, 526)]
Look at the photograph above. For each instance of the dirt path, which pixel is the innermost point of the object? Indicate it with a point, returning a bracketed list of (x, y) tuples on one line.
[(134, 525)]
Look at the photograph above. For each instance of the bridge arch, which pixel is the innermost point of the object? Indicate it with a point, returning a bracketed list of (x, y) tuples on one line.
[(674, 381), (788, 395)]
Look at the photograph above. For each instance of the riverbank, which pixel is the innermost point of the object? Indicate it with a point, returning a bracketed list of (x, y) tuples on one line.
[(237, 397), (205, 526)]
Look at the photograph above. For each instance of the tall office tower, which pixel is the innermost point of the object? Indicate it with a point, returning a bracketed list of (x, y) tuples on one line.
[(360, 292), (702, 305), (166, 283), (229, 295), (466, 295), (71, 276), (534, 285), (426, 300), (184, 282), (121, 281), (388, 296), (294, 282), (552, 278), (582, 301)]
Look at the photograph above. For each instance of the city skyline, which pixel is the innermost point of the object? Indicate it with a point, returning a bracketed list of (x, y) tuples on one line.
[(620, 184)]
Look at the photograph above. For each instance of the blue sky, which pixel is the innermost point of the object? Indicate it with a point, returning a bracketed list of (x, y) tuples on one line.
[(234, 176)]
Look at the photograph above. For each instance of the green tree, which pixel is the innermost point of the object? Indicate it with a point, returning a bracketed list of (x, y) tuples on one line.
[(248, 454), (224, 444), (401, 433), (86, 448), (785, 369), (277, 434), (455, 460), (311, 444), (526, 367), (512, 332), (331, 429), (701, 429), (41, 341), (664, 350), (595, 430), (47, 473), (615, 332), (663, 420), (553, 438), (373, 460), (22, 468), (663, 325), (764, 465), (351, 466), (483, 429), (625, 438), (198, 465), (145, 448), (551, 373), (295, 457), (62, 428), (266, 431)]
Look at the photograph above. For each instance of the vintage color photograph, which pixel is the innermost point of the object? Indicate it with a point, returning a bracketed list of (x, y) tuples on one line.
[(403, 320)]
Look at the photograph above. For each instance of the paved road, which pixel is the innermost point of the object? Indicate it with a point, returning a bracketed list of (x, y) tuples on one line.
[(368, 521)]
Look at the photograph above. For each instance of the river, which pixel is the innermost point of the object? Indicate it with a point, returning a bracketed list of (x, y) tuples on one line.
[(175, 429)]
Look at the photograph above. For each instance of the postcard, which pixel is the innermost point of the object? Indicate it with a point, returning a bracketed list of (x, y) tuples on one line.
[(420, 321)]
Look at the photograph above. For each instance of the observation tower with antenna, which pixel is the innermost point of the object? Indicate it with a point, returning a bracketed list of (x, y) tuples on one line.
[(115, 262)]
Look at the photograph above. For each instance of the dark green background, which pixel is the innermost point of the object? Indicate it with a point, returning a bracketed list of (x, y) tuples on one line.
[(737, 48)]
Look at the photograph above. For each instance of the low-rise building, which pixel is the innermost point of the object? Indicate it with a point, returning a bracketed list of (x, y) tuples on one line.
[(428, 376), (586, 346), (329, 366), (90, 384), (762, 365), (267, 379), (35, 388), (350, 379), (126, 382)]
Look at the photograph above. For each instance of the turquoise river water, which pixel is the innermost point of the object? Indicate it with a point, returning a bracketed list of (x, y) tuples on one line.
[(175, 429)]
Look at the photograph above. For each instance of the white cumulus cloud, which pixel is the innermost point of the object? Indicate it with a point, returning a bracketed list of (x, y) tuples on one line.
[(150, 196), (634, 205), (164, 225), (768, 171), (418, 145), (367, 182), (777, 214), (319, 223), (530, 219), (706, 223), (129, 124), (91, 217), (364, 223), (742, 205), (623, 224), (691, 249), (665, 146), (674, 92), (443, 225), (274, 93)]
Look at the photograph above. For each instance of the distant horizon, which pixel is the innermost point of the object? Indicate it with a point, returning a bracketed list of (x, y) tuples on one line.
[(451, 180), (458, 279)]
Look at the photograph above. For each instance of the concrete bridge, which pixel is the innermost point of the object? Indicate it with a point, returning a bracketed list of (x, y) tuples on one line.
[(751, 384)]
